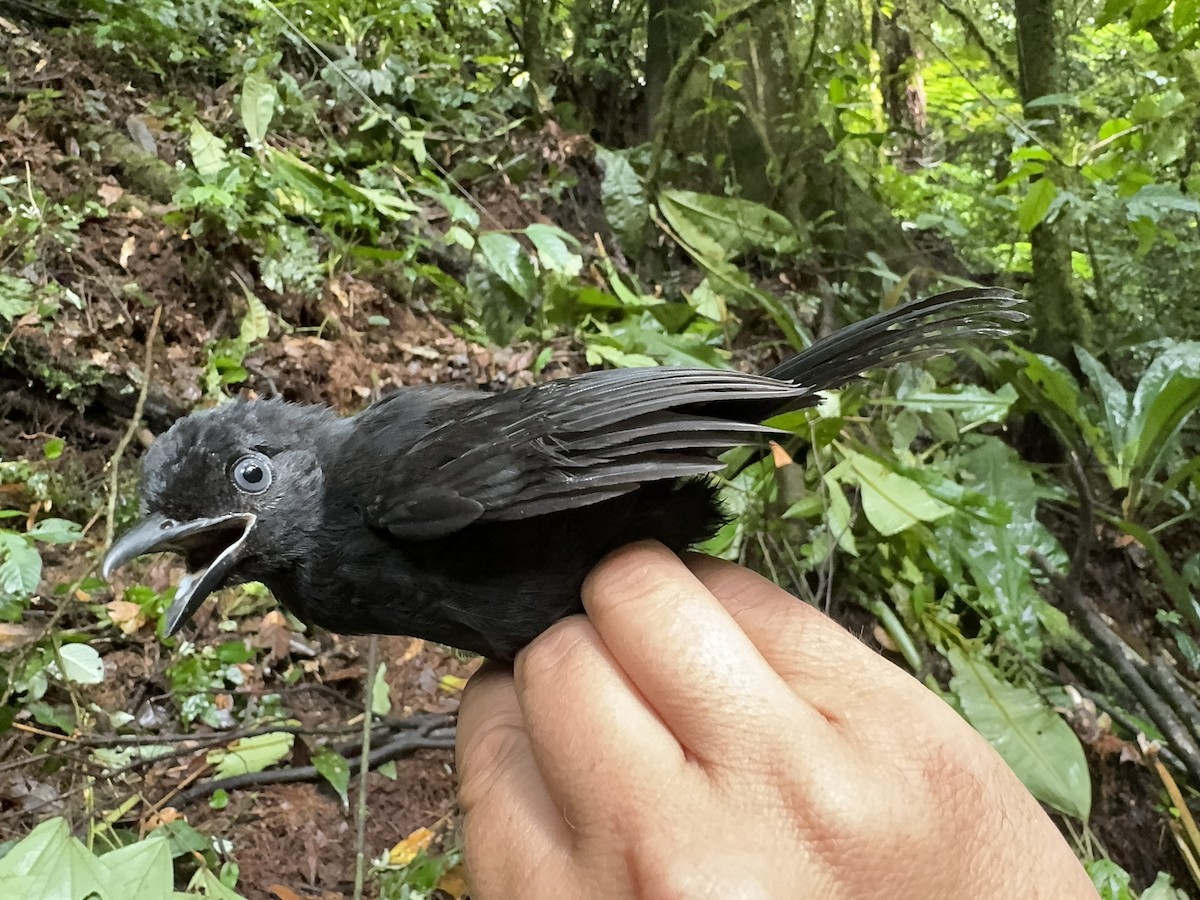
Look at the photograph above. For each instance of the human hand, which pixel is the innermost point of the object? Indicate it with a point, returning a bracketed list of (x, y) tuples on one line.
[(703, 734)]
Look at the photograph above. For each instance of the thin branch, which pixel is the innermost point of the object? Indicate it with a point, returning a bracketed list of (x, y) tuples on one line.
[(430, 737), (360, 816), (127, 437)]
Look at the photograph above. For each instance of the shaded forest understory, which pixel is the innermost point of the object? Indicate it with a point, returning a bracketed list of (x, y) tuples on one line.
[(94, 161)]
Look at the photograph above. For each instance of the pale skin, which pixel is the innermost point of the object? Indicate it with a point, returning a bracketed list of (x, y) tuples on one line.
[(702, 734)]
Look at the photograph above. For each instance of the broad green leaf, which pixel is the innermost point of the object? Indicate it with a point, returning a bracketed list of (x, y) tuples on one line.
[(838, 517), (721, 228), (973, 403), (143, 869), (51, 864), (1110, 880), (208, 152), (1115, 401), (553, 251), (624, 198), (1036, 205), (1186, 14), (256, 324), (891, 502), (259, 98), (81, 664), (1162, 889), (508, 260), (1113, 9), (56, 531), (1146, 11), (708, 302), (206, 882), (1167, 394), (20, 565), (252, 754), (333, 768), (1036, 743), (381, 692)]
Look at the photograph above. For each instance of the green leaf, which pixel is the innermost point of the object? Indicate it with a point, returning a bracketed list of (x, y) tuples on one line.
[(1036, 743), (624, 198), (259, 98), (506, 258), (333, 768), (56, 531), (1186, 14), (1167, 394), (53, 448), (1112, 10), (974, 404), (553, 251), (1114, 400), (1162, 889), (143, 869), (81, 664), (252, 754), (1145, 11), (51, 864), (1036, 205), (721, 228), (20, 565), (208, 152), (381, 692), (891, 502), (1110, 880), (256, 324)]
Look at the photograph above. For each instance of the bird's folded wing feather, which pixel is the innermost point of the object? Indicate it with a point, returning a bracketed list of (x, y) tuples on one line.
[(570, 443)]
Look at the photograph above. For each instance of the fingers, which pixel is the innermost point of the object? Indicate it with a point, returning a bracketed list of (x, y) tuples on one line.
[(685, 653), (511, 824), (589, 725)]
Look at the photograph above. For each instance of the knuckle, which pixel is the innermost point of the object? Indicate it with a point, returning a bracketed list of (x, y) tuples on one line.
[(632, 572), (556, 649), (491, 751)]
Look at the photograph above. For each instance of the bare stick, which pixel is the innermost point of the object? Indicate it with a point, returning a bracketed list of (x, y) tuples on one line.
[(127, 437), (360, 837)]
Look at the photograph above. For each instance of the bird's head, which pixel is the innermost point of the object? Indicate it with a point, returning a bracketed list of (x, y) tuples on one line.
[(233, 490)]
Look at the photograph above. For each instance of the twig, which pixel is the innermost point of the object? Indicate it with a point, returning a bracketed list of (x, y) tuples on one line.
[(360, 837), (134, 421), (432, 736)]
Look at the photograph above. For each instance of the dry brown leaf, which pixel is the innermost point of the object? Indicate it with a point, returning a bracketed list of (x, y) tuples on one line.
[(275, 634), (409, 848), (126, 615), (780, 456), (13, 636), (110, 194), (127, 251), (283, 893), (415, 646), (454, 883)]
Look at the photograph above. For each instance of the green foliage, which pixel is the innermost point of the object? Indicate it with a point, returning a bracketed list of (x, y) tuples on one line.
[(1133, 436), (49, 863)]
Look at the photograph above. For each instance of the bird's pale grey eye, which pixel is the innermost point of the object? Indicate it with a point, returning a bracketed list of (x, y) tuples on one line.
[(252, 473)]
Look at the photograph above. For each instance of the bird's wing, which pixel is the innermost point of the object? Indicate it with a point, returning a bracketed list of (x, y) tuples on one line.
[(569, 443)]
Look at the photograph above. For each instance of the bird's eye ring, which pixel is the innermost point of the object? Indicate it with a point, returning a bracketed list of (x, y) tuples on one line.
[(251, 473)]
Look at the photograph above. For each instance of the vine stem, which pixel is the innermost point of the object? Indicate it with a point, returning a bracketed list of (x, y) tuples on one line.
[(360, 838)]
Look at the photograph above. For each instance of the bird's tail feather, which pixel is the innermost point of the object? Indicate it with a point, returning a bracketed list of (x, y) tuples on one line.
[(913, 330)]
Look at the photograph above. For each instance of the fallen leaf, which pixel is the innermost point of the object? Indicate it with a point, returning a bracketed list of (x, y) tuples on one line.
[(453, 883), (452, 683), (415, 646), (13, 636), (275, 635), (126, 615), (409, 848), (110, 194), (283, 893), (127, 250)]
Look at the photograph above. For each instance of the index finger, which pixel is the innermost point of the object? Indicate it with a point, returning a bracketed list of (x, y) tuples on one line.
[(687, 656)]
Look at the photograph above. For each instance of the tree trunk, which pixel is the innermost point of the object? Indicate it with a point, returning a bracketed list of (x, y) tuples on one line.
[(1058, 310)]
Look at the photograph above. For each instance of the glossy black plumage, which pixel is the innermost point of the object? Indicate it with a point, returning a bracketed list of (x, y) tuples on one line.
[(471, 519)]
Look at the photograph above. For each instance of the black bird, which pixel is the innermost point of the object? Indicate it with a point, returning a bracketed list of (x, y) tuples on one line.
[(470, 518)]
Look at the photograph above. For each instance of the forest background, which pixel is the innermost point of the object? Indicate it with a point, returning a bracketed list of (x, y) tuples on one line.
[(325, 200)]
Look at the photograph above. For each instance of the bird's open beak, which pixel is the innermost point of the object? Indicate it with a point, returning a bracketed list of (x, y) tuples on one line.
[(210, 546)]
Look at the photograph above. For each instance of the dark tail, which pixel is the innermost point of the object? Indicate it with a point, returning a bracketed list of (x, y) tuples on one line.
[(923, 328)]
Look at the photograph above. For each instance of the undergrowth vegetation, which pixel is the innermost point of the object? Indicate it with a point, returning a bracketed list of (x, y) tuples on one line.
[(1017, 529)]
